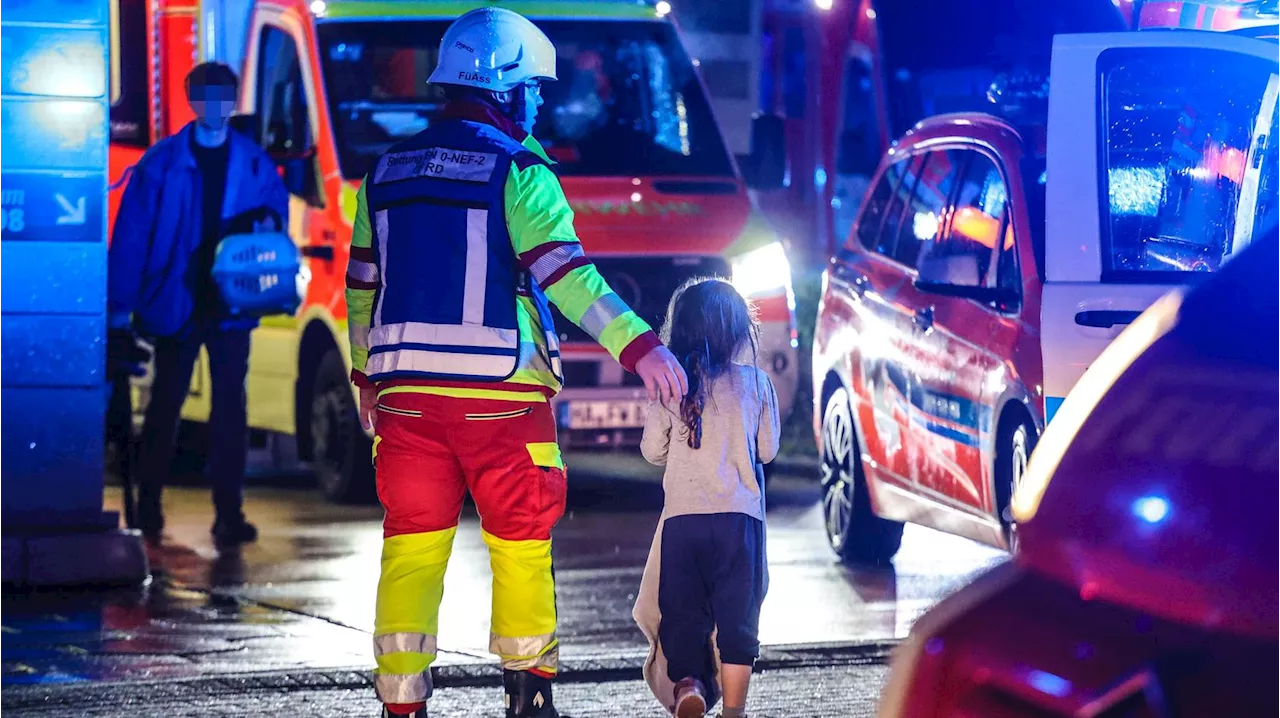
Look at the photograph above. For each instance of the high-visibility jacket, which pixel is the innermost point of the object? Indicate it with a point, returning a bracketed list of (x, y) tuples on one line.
[(539, 225), (448, 309)]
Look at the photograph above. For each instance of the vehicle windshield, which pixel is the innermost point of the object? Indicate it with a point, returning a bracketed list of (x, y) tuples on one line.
[(1190, 172), (627, 102)]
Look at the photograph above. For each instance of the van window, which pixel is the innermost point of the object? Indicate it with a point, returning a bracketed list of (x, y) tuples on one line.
[(130, 121), (904, 175), (282, 98), (627, 103), (874, 211), (965, 254), (922, 224), (1177, 127)]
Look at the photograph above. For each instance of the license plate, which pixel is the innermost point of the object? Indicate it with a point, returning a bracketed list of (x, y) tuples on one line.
[(604, 414)]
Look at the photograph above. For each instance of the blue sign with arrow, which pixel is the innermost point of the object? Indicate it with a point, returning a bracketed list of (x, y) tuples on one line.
[(52, 207)]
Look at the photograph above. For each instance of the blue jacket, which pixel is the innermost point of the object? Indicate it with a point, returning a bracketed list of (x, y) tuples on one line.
[(157, 229)]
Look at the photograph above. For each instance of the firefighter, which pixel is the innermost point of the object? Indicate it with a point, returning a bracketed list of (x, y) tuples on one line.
[(462, 234)]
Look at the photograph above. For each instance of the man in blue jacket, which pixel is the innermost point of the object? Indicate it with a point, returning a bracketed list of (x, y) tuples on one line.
[(187, 193)]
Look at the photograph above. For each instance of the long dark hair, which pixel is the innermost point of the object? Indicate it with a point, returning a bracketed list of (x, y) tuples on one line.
[(708, 325)]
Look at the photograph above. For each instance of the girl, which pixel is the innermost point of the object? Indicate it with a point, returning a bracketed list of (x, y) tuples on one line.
[(707, 571)]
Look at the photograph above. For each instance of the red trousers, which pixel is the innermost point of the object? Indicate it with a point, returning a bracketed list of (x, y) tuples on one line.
[(429, 449)]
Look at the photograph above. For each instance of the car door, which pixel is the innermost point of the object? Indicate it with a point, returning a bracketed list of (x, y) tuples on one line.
[(969, 341), (869, 283), (1161, 164)]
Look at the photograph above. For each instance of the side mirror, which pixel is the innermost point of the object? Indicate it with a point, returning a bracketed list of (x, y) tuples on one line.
[(768, 160)]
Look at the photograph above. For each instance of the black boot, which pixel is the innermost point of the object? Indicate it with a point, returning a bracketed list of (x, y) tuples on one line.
[(528, 695), (232, 530)]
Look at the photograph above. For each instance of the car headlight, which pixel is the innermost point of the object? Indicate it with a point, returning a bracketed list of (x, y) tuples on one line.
[(762, 271)]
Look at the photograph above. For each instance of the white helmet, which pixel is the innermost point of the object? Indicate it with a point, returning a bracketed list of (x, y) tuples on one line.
[(494, 49)]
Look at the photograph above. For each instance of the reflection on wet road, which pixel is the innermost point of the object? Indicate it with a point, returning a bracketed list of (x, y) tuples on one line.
[(303, 596), (322, 561)]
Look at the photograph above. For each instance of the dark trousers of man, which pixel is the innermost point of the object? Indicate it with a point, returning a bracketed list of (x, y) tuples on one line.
[(175, 357)]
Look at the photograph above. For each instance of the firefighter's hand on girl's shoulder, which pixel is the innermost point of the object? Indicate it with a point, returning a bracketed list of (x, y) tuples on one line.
[(662, 374), (368, 406)]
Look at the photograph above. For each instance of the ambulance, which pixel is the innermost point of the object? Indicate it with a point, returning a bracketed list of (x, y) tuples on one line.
[(327, 85)]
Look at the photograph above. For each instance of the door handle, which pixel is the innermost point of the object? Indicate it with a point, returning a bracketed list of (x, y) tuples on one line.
[(923, 318), (316, 251), (1105, 318)]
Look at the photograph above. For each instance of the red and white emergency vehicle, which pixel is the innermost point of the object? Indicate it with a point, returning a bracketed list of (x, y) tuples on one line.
[(1145, 584), (994, 258)]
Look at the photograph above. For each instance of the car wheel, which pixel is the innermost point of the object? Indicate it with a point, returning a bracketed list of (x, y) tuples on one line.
[(343, 453), (855, 533), (1016, 443)]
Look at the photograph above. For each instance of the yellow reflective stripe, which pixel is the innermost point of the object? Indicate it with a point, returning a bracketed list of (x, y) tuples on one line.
[(546, 454), (524, 592), (466, 393), (376, 440)]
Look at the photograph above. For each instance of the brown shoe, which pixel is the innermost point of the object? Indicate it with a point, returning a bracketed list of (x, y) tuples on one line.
[(691, 699)]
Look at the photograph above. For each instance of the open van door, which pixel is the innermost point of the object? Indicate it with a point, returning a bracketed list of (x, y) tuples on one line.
[(1161, 162)]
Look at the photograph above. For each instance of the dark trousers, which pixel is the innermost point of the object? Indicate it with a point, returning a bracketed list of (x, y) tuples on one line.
[(712, 576), (175, 357)]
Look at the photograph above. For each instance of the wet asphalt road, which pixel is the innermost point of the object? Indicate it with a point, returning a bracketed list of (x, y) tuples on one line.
[(320, 560), (824, 692), (283, 626)]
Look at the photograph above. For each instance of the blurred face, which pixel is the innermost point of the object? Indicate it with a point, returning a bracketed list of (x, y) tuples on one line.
[(529, 107), (212, 105)]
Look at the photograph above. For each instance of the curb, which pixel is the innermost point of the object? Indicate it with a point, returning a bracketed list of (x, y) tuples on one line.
[(598, 669)]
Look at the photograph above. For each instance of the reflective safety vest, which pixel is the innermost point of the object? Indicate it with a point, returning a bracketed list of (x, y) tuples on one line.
[(446, 308)]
